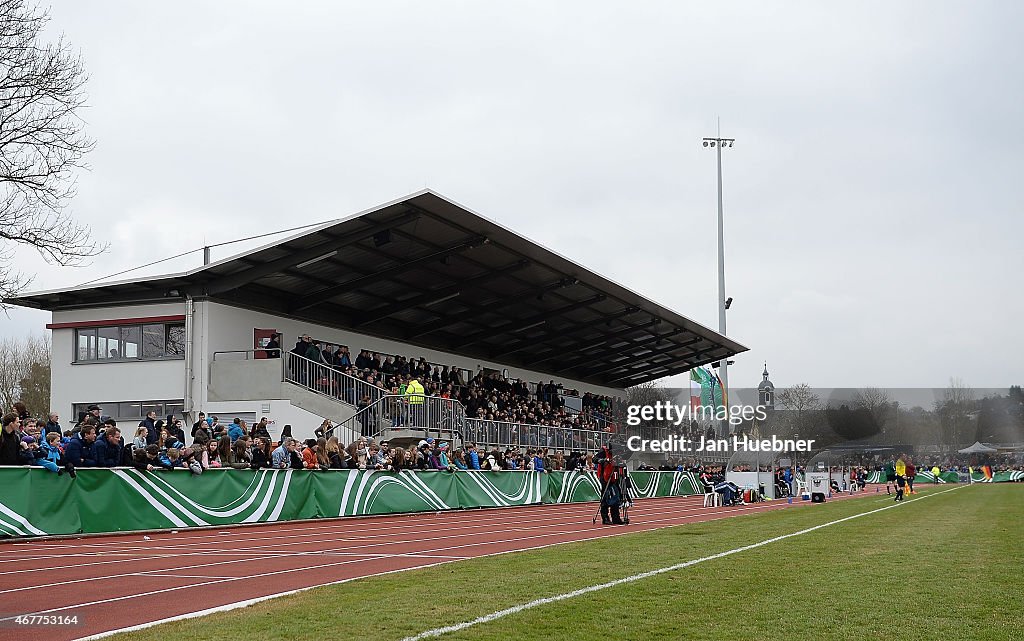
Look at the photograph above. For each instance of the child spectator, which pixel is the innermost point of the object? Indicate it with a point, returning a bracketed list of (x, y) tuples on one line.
[(309, 459), (148, 458)]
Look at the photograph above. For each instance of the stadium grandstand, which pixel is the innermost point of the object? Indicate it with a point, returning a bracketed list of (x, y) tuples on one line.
[(415, 319)]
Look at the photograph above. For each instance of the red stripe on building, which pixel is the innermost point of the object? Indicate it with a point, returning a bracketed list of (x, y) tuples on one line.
[(118, 321)]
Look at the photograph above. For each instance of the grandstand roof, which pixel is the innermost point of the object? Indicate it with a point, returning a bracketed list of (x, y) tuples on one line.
[(427, 271)]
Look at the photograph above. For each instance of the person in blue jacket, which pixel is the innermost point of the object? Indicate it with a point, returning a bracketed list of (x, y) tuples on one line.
[(472, 458), (79, 450), (107, 450)]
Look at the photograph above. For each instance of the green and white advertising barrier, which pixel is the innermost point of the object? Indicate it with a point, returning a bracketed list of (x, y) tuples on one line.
[(35, 502)]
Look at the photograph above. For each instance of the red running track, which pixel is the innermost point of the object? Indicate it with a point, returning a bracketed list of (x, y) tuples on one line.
[(113, 582)]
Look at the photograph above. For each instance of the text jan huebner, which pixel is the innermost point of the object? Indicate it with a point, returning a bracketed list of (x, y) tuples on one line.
[(735, 443)]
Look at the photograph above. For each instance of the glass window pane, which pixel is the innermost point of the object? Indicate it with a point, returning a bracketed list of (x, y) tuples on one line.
[(130, 411), (175, 340), (108, 346), (131, 336), (78, 410), (177, 408), (86, 344), (152, 340)]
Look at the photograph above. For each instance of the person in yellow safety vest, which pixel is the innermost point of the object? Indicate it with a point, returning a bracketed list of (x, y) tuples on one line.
[(901, 477), (936, 472), (414, 395)]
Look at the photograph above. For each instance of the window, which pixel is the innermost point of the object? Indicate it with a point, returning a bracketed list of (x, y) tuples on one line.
[(132, 412), (127, 342)]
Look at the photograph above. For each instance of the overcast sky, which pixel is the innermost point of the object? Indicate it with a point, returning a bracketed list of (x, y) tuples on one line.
[(873, 199)]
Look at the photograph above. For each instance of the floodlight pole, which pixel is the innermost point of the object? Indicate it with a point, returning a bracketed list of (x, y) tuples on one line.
[(718, 142)]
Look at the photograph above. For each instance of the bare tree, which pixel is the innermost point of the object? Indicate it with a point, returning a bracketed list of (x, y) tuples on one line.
[(878, 405), (25, 375), (955, 411), (41, 144), (799, 409)]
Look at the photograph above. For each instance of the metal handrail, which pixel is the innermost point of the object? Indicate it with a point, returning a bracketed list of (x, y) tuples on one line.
[(429, 413), (502, 434), (325, 379)]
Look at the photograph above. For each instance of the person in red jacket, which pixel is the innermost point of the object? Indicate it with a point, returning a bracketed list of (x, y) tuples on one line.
[(611, 497)]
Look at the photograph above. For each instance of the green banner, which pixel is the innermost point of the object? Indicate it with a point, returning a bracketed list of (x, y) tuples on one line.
[(35, 502)]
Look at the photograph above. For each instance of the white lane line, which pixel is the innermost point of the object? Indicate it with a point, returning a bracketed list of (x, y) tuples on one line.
[(436, 632), (274, 550), (338, 551), (242, 604), (363, 533)]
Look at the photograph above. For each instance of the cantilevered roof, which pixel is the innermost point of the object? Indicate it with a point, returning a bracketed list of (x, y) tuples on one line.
[(426, 271)]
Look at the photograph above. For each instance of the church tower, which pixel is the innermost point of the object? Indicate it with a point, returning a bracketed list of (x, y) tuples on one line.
[(766, 391)]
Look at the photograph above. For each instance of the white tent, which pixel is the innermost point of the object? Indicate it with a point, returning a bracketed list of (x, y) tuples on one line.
[(978, 448)]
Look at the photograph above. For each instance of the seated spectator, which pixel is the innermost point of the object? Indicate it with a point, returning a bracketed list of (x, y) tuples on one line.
[(79, 450)]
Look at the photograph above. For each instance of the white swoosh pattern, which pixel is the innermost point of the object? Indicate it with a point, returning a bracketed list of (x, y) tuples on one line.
[(17, 518)]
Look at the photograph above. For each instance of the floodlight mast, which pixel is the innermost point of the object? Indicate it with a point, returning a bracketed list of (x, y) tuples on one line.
[(717, 143)]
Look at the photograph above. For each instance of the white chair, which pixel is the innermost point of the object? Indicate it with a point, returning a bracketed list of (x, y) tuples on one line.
[(711, 497)]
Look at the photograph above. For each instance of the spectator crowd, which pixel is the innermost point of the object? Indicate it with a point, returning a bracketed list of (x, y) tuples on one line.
[(160, 444)]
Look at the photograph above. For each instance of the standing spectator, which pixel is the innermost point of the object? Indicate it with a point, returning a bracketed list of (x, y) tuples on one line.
[(335, 454), (281, 458), (175, 428), (107, 449), (260, 454), (209, 456), (139, 442), (21, 411), (235, 430), (472, 458), (241, 455), (309, 460), (153, 432), (79, 452), (10, 442), (52, 425), (260, 430), (274, 346), (200, 424), (148, 459), (52, 452)]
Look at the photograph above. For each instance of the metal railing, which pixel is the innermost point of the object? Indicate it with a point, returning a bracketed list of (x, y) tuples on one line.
[(501, 434), (421, 412), (325, 379)]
